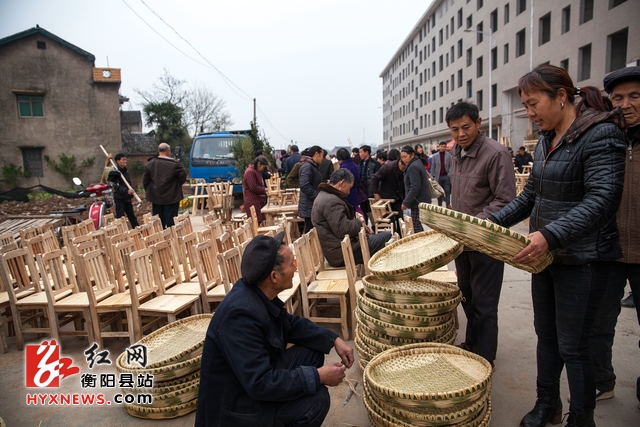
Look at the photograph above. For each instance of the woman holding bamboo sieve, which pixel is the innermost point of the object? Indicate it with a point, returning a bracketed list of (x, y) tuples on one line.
[(571, 198)]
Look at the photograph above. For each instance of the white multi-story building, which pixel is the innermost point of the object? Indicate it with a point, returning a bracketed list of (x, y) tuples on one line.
[(476, 50)]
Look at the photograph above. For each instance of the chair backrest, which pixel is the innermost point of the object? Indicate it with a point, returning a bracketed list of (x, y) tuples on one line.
[(186, 219), (7, 238), (100, 237), (209, 218), (207, 266), (108, 219), (152, 239), (60, 275), (230, 267), (41, 229), (316, 250), (146, 230), (140, 265), (68, 232), (28, 233), (364, 248), (86, 226), (120, 252), (137, 238), (155, 223), (111, 229), (217, 228), (167, 270), (408, 224), (180, 229), (224, 242), (352, 273), (9, 247), (97, 273), (243, 234), (254, 220), (50, 241), (19, 273), (35, 245)]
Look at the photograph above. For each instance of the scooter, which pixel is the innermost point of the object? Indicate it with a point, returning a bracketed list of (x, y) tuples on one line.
[(102, 196)]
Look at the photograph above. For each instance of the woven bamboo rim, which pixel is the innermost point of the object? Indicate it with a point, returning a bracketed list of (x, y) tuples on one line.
[(428, 376), (448, 336), (164, 373), (415, 255), (364, 353), (456, 416), (2, 424), (174, 342), (496, 241), (378, 311), (161, 413), (475, 417), (426, 309), (399, 331), (416, 291), (181, 394), (167, 386)]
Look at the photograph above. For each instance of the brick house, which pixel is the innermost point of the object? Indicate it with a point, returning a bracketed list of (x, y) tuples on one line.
[(53, 100)]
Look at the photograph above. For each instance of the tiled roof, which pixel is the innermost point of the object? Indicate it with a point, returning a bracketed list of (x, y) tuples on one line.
[(138, 143), (130, 117), (39, 30)]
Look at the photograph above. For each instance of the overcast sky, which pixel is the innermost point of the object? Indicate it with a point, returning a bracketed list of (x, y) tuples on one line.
[(313, 66)]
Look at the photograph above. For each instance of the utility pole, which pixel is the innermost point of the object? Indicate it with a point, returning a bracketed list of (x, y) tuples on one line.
[(254, 113)]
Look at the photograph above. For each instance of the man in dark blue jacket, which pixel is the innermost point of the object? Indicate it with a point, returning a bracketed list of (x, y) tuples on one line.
[(122, 194), (248, 376)]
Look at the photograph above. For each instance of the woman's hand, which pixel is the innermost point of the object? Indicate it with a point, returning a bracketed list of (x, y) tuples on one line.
[(537, 248)]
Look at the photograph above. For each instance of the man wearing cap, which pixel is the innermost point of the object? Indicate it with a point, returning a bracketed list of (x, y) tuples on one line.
[(623, 87), (248, 376)]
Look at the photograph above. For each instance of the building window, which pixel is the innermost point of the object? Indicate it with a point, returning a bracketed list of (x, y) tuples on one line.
[(494, 95), (505, 53), (469, 21), (32, 161), (460, 18), (459, 48), (479, 33), (460, 77), (521, 6), (493, 21), (447, 87), (453, 54), (441, 115), (544, 29), (479, 100), (440, 39), (30, 106), (617, 50), (494, 58), (469, 89), (584, 62), (586, 11), (469, 57), (479, 67), (506, 14), (441, 89), (564, 64), (441, 63), (520, 43), (566, 19), (614, 3), (480, 4)]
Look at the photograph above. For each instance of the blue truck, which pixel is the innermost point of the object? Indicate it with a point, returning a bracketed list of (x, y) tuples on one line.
[(212, 159)]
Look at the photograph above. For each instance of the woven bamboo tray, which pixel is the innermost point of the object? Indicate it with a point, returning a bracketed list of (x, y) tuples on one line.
[(399, 331), (175, 342), (161, 413), (475, 417), (168, 385), (364, 353), (413, 256), (163, 373), (416, 291), (448, 337), (428, 377), (498, 242), (175, 395), (456, 416), (439, 312)]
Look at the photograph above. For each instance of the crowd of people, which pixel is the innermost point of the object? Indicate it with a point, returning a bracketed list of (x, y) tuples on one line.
[(582, 202)]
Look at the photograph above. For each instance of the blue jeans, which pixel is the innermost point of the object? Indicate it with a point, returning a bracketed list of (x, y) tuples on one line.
[(604, 326), (309, 410), (566, 299), (480, 280)]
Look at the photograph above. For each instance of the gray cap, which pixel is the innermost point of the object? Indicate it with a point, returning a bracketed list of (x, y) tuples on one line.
[(619, 76)]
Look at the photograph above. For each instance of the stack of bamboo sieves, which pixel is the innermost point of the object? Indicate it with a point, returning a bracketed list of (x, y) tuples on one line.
[(428, 384), (396, 307), (174, 353)]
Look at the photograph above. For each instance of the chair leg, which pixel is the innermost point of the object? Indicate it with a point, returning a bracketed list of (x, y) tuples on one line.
[(4, 347), (54, 326), (86, 314), (344, 316), (135, 326), (17, 325)]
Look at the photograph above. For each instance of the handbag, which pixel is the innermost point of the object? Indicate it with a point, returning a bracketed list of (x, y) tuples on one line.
[(436, 189)]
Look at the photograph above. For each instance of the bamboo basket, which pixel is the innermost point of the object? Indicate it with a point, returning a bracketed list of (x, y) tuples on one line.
[(428, 376), (447, 337), (161, 413), (481, 235), (399, 331), (433, 313), (174, 395), (416, 291), (176, 342), (414, 256), (164, 373)]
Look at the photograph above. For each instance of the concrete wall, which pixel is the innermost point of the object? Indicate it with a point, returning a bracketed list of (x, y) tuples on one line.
[(79, 114)]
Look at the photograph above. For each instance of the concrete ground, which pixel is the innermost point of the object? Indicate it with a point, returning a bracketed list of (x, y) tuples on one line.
[(513, 392)]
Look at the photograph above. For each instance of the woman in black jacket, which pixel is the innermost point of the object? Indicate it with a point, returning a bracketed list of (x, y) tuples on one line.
[(571, 199)]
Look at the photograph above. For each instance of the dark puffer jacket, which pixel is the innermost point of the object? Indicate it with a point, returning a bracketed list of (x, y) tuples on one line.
[(310, 178), (573, 193)]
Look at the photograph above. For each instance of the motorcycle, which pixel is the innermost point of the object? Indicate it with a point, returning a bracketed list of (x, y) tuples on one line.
[(102, 196)]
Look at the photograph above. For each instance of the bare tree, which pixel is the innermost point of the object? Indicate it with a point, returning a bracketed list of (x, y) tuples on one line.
[(169, 89), (204, 111)]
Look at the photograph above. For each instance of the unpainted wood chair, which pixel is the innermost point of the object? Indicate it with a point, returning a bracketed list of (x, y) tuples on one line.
[(364, 248), (229, 262), (212, 289)]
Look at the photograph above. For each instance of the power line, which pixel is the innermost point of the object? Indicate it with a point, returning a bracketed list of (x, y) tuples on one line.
[(267, 119)]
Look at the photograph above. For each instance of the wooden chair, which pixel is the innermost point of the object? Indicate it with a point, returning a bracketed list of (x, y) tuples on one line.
[(322, 270), (65, 302), (168, 273), (108, 219), (352, 278), (209, 218), (22, 286), (382, 215), (68, 232), (152, 239), (257, 230), (185, 218), (315, 291), (157, 305), (212, 290), (120, 252), (86, 226), (199, 197), (156, 224), (224, 242), (185, 249), (409, 225), (7, 239), (242, 234), (138, 239), (28, 233), (146, 230), (229, 262), (50, 241)]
